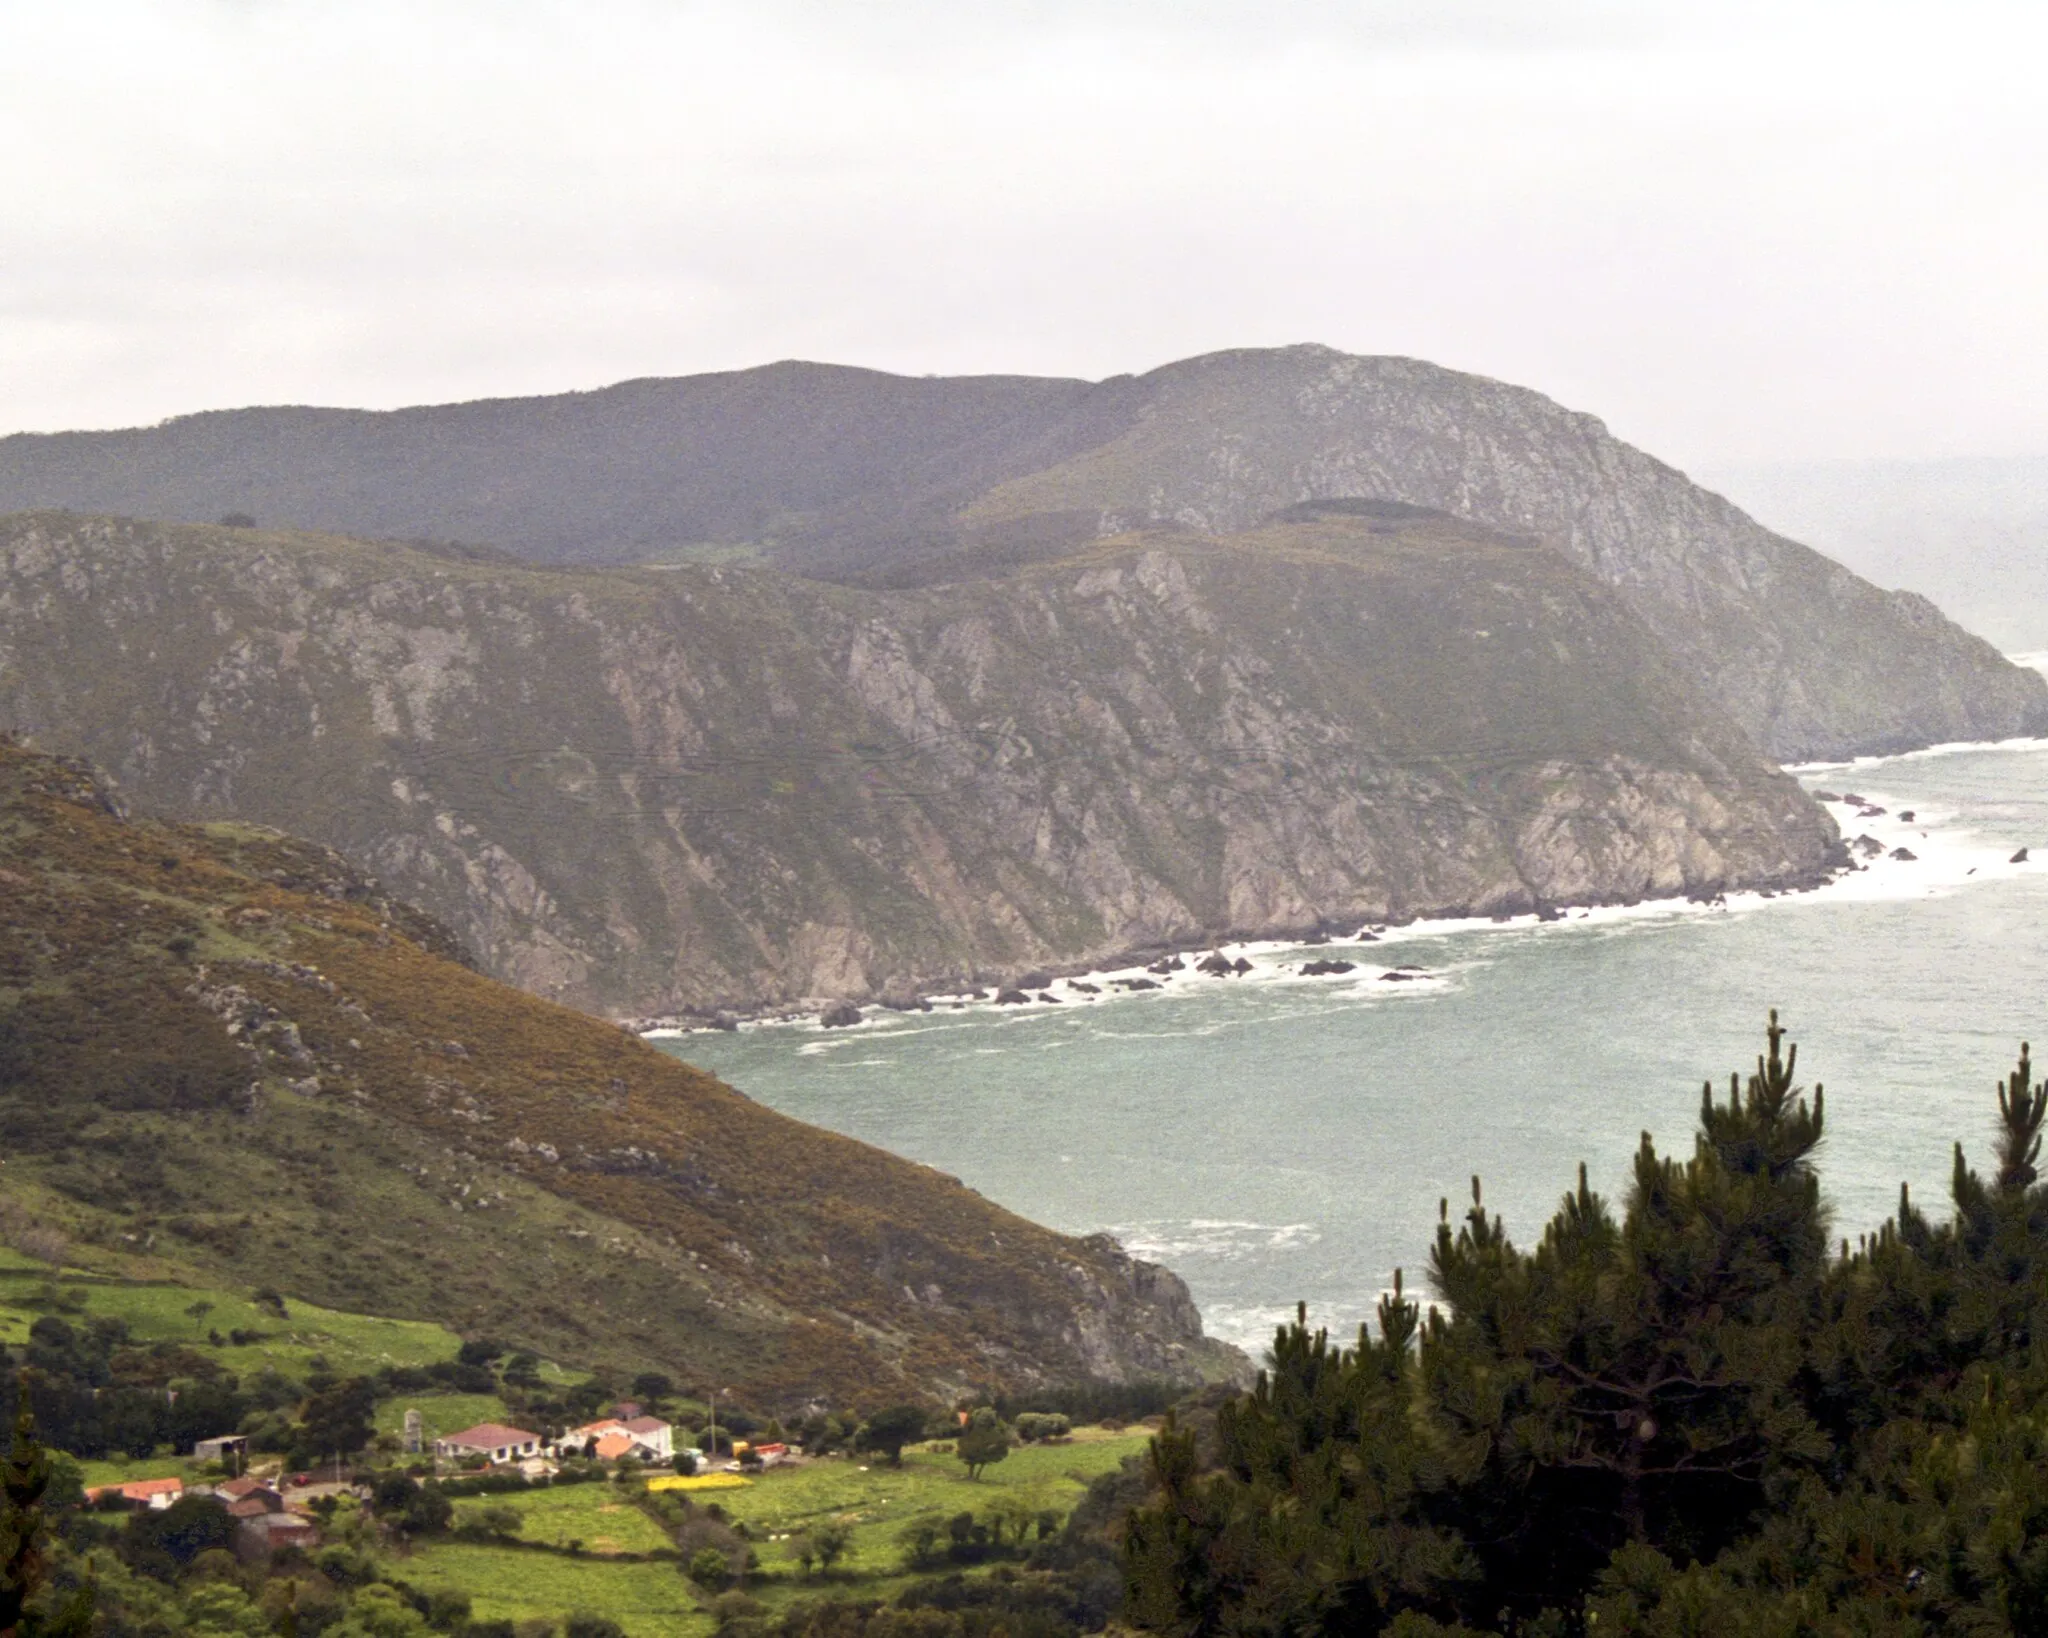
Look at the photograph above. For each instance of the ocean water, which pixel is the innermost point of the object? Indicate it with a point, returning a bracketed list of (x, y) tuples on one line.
[(1276, 1138)]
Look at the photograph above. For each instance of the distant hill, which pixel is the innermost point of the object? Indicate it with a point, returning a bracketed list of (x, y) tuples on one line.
[(1970, 532), (227, 1058), (883, 480), (643, 791)]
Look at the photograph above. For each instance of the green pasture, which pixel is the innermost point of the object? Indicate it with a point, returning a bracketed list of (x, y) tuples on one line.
[(350, 1343), (595, 1515), (442, 1413), (511, 1584), (878, 1502), (881, 1502)]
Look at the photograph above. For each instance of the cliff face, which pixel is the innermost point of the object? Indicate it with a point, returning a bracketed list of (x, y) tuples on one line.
[(883, 480), (1811, 660), (645, 792), (225, 1057)]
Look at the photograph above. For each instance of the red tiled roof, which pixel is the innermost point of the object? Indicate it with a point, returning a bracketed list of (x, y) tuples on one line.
[(490, 1436), (139, 1489), (614, 1445), (596, 1430)]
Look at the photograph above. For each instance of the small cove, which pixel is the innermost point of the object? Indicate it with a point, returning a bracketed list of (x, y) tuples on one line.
[(1276, 1138)]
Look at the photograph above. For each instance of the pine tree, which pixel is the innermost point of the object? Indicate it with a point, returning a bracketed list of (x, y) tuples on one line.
[(1643, 1372), (1689, 1418), (24, 1536), (1313, 1521)]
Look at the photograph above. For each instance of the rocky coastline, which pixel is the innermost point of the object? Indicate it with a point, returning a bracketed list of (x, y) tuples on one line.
[(1152, 966)]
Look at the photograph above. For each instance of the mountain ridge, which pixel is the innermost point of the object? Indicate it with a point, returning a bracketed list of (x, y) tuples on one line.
[(656, 792), (836, 472)]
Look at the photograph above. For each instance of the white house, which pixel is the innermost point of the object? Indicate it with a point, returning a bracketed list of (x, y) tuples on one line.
[(491, 1440), (654, 1435), (645, 1438)]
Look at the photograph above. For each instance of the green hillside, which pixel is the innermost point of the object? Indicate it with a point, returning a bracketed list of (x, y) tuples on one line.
[(228, 1062)]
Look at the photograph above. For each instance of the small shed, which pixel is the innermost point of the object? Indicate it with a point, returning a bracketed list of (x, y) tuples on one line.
[(229, 1447)]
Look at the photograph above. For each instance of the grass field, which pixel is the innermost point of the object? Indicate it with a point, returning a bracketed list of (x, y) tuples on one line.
[(591, 1514), (350, 1343), (507, 1584), (442, 1413), (879, 1503)]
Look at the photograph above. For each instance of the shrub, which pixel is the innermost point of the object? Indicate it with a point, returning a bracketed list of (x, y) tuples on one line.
[(888, 1431), (983, 1442)]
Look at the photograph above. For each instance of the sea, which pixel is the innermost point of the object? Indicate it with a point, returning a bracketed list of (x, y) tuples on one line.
[(1278, 1139)]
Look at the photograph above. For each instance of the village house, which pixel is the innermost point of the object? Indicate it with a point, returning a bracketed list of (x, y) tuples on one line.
[(138, 1494), (266, 1532), (491, 1440), (248, 1497), (229, 1447), (654, 1435), (644, 1438)]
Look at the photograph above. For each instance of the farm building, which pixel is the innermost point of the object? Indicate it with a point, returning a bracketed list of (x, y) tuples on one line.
[(491, 1440)]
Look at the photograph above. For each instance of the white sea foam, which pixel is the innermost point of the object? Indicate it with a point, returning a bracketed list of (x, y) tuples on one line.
[(1222, 1239), (1947, 857)]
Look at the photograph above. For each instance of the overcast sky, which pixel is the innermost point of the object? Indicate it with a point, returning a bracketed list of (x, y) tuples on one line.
[(1734, 231)]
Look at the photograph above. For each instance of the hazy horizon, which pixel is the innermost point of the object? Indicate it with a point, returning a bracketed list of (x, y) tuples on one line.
[(1753, 233)]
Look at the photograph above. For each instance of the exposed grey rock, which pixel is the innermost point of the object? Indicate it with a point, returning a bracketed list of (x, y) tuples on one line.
[(666, 794), (889, 480)]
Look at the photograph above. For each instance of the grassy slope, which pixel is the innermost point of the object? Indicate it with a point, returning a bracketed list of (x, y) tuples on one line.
[(877, 1502), (359, 1145)]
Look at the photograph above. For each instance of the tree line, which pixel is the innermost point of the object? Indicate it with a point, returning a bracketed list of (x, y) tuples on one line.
[(1701, 1414)]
